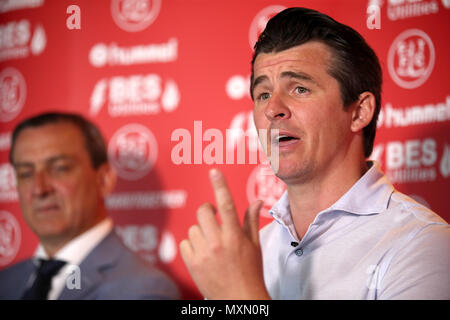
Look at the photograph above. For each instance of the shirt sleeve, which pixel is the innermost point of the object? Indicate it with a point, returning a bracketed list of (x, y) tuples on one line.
[(420, 269)]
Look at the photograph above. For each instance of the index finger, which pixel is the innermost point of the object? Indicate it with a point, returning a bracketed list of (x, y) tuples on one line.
[(225, 204)]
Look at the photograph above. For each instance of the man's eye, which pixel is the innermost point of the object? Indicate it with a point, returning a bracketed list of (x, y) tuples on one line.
[(61, 168), (24, 175), (264, 96), (301, 90)]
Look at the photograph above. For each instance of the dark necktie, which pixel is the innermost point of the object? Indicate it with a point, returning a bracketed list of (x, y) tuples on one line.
[(42, 283)]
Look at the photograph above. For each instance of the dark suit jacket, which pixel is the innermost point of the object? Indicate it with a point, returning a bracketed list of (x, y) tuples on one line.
[(110, 271)]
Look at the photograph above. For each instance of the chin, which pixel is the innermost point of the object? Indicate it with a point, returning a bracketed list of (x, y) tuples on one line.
[(49, 230), (293, 173)]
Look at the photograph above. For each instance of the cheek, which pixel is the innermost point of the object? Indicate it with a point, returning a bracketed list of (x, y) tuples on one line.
[(260, 119), (70, 193), (65, 188), (25, 194)]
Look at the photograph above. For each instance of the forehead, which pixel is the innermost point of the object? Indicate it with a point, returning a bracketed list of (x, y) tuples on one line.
[(312, 57), (36, 144)]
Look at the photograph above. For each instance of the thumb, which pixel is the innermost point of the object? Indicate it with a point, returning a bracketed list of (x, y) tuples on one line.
[(251, 221)]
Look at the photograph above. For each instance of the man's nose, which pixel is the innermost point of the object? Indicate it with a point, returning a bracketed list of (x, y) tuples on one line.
[(41, 185), (277, 108)]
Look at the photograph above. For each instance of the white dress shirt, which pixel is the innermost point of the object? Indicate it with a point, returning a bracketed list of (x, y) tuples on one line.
[(373, 243), (73, 253)]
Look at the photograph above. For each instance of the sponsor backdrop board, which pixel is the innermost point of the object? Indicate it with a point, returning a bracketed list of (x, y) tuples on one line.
[(167, 82)]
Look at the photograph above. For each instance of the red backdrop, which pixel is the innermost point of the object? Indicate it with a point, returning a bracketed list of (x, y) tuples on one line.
[(146, 71)]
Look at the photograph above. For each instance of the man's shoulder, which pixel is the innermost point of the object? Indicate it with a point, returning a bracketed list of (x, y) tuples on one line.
[(113, 257), (126, 275), (19, 268), (406, 210), (13, 278)]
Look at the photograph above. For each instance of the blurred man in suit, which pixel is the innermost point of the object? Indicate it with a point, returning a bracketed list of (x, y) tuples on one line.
[(63, 177)]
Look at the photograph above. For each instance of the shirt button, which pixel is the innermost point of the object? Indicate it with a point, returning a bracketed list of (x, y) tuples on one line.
[(299, 252)]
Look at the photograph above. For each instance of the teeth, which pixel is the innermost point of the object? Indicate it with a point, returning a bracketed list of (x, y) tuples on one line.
[(282, 136)]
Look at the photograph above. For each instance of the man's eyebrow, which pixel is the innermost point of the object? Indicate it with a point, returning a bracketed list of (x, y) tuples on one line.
[(258, 80), (298, 75), (49, 161), (286, 74)]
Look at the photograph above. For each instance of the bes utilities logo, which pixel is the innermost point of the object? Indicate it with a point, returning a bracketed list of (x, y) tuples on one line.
[(149, 242), (411, 58), (133, 151), (134, 15), (18, 40), (133, 95)]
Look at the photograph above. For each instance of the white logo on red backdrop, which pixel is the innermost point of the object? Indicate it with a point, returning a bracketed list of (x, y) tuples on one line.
[(39, 41), (138, 200), (410, 161), (260, 20), (446, 4), (11, 5), (13, 91), (8, 190), (403, 9), (15, 40), (167, 250), (102, 54), (134, 15), (133, 151), (238, 87), (10, 237), (266, 187), (135, 95), (143, 239), (411, 58), (445, 162), (5, 141), (426, 113)]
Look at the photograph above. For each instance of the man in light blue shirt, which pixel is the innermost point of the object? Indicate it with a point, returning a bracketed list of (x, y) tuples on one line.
[(341, 231), (373, 243)]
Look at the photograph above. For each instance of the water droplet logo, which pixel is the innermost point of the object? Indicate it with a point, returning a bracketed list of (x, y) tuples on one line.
[(39, 40), (168, 248), (170, 97), (445, 162)]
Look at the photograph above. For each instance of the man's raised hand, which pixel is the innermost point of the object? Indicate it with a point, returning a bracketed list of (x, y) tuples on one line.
[(225, 260)]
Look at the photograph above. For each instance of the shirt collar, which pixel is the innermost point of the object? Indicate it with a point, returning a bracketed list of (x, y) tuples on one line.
[(77, 249), (369, 195)]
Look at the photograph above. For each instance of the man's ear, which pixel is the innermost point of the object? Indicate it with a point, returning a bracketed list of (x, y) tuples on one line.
[(363, 111), (107, 178)]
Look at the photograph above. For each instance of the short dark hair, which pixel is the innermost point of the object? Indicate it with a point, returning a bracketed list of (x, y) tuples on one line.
[(355, 65), (93, 139)]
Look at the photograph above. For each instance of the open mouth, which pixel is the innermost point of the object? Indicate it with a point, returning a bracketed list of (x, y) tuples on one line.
[(284, 139)]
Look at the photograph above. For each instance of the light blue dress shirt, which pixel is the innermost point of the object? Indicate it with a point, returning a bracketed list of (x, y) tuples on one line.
[(373, 243)]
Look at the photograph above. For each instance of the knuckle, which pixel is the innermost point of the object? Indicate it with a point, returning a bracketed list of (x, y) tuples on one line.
[(228, 207), (216, 248)]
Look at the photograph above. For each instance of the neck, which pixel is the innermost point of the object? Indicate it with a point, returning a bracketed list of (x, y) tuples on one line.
[(53, 244), (308, 199)]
